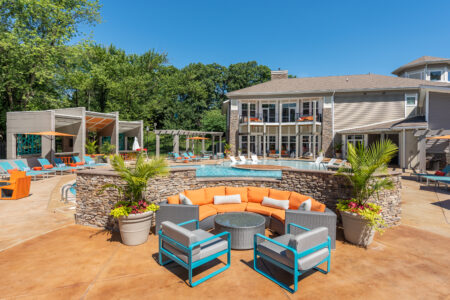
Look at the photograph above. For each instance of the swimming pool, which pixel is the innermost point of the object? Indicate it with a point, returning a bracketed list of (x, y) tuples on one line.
[(225, 170)]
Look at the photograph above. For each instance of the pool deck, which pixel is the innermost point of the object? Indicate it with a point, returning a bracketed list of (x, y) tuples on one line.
[(61, 261)]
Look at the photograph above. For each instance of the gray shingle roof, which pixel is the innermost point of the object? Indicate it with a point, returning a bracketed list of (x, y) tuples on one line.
[(332, 83), (422, 61)]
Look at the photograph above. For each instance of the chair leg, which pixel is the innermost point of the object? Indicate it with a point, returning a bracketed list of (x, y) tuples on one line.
[(268, 276), (195, 283)]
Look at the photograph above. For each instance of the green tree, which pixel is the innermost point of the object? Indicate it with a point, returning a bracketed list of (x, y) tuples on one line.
[(214, 120)]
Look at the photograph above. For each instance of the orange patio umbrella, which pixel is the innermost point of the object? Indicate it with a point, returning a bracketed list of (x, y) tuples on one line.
[(50, 134), (196, 138), (442, 137)]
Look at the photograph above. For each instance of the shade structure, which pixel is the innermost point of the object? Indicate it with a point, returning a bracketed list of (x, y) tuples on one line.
[(442, 137), (51, 134), (135, 144)]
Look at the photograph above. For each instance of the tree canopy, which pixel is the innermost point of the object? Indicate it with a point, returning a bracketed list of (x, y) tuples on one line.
[(42, 68)]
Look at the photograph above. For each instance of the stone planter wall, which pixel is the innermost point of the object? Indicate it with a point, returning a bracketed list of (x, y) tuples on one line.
[(93, 208)]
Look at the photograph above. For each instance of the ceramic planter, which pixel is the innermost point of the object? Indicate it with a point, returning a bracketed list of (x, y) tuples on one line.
[(356, 229), (135, 228)]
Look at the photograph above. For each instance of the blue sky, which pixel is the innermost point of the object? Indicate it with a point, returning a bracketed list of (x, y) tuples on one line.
[(308, 38)]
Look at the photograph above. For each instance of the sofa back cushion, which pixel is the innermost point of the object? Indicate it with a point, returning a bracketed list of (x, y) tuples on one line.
[(275, 203), (296, 199), (175, 199), (279, 195), (317, 206), (214, 191), (180, 234), (230, 190), (257, 194), (196, 196), (309, 239)]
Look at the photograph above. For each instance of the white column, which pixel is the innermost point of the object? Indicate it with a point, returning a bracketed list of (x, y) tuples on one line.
[(280, 110), (264, 141), (314, 127), (296, 141), (157, 146), (213, 142), (220, 143)]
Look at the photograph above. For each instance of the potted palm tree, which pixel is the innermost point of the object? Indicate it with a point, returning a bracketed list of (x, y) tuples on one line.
[(359, 217), (133, 211)]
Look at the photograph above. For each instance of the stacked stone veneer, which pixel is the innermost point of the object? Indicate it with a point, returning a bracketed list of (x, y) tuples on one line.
[(93, 208)]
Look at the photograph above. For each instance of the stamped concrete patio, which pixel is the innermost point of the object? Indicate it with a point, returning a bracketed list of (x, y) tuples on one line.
[(410, 261)]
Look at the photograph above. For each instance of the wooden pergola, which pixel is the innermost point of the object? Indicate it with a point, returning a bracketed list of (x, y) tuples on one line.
[(188, 133)]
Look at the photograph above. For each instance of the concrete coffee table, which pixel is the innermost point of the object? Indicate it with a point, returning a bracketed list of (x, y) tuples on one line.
[(242, 226)]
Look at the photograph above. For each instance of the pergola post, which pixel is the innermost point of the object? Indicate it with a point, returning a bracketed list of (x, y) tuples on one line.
[(213, 142), (264, 141), (421, 147), (248, 146), (176, 143), (157, 146), (314, 129), (296, 140), (220, 143), (187, 143), (203, 145)]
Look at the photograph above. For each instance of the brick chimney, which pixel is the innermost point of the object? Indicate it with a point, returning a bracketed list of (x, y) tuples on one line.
[(280, 74)]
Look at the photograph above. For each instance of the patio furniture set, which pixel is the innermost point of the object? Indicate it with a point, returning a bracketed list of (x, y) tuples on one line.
[(439, 177), (239, 216)]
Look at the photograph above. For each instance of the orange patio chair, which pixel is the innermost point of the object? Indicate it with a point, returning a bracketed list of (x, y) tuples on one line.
[(17, 187)]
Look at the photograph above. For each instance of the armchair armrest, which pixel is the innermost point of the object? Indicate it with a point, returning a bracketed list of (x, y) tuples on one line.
[(211, 238), (258, 235), (189, 222)]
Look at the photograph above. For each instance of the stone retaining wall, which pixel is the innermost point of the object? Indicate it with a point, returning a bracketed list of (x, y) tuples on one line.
[(93, 208)]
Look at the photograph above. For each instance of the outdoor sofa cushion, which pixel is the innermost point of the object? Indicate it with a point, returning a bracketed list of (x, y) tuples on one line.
[(175, 199), (224, 208), (309, 239), (279, 195), (257, 194), (213, 191), (228, 199), (259, 209), (197, 197), (205, 211), (296, 199), (229, 190), (270, 202)]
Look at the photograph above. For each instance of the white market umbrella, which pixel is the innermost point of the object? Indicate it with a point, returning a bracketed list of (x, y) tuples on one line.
[(136, 144)]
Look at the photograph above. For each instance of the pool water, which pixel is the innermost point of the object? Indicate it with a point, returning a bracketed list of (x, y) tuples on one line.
[(225, 169)]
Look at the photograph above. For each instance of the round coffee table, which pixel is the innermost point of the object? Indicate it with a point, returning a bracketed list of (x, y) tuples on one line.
[(242, 226)]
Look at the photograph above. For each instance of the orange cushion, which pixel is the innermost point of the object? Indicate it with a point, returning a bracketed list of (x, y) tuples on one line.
[(205, 211), (37, 168), (196, 196), (279, 195), (73, 165), (256, 194), (10, 171), (223, 208), (296, 199), (279, 214), (229, 190), (259, 209), (317, 206), (213, 191), (48, 166), (173, 199)]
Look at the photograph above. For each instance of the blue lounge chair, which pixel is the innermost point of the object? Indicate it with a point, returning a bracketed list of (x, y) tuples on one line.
[(44, 162), (437, 179), (23, 167), (60, 163), (90, 162), (445, 170), (185, 156), (295, 254), (193, 157), (7, 166), (192, 249)]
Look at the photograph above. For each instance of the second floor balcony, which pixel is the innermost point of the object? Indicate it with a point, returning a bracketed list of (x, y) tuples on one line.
[(285, 118)]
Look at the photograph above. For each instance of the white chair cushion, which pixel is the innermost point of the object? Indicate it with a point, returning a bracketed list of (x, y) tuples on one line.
[(185, 200), (228, 199), (282, 204), (306, 205)]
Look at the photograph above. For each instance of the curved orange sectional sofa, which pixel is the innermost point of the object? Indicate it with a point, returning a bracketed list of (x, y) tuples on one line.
[(251, 199)]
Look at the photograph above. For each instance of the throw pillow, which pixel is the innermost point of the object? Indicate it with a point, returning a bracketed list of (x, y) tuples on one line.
[(280, 204), (306, 205), (439, 173), (229, 199), (185, 200)]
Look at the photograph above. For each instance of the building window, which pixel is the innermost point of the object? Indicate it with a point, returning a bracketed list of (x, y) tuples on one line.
[(411, 100), (355, 139), (268, 111), (244, 110), (435, 75), (417, 75), (306, 108), (244, 141), (289, 111)]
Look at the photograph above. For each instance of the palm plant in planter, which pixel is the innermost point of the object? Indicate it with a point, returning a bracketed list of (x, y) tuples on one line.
[(360, 218), (134, 212)]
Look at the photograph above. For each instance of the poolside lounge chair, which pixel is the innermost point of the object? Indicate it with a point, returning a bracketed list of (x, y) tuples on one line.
[(233, 160), (192, 249), (60, 163), (243, 159), (193, 157), (438, 179), (17, 187), (48, 166), (7, 167), (255, 159), (318, 160), (445, 170), (89, 162), (23, 167), (295, 254), (330, 163)]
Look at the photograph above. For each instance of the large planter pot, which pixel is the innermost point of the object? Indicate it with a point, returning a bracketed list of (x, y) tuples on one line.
[(356, 229), (135, 228)]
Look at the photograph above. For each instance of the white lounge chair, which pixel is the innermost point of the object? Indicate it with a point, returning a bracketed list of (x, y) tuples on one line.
[(330, 163), (243, 159), (255, 159), (233, 160), (318, 160)]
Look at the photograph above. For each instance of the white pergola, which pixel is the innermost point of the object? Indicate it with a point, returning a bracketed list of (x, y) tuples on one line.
[(188, 133)]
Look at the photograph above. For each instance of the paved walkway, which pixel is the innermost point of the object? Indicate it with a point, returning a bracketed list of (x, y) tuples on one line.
[(410, 261)]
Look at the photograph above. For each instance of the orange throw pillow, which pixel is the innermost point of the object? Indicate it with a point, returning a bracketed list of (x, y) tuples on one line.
[(230, 190), (37, 168), (213, 191), (317, 206), (196, 196), (257, 194), (173, 199), (48, 167), (279, 195), (296, 199), (10, 171)]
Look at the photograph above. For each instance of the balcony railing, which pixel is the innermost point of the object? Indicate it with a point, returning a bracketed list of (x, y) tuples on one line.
[(292, 118)]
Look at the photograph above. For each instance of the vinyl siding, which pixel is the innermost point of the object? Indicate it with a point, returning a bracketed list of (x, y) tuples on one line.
[(356, 110)]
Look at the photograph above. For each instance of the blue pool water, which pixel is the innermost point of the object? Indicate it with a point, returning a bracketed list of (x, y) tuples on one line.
[(225, 169)]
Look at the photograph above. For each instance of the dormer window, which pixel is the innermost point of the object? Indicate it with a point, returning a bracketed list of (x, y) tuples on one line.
[(435, 75)]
